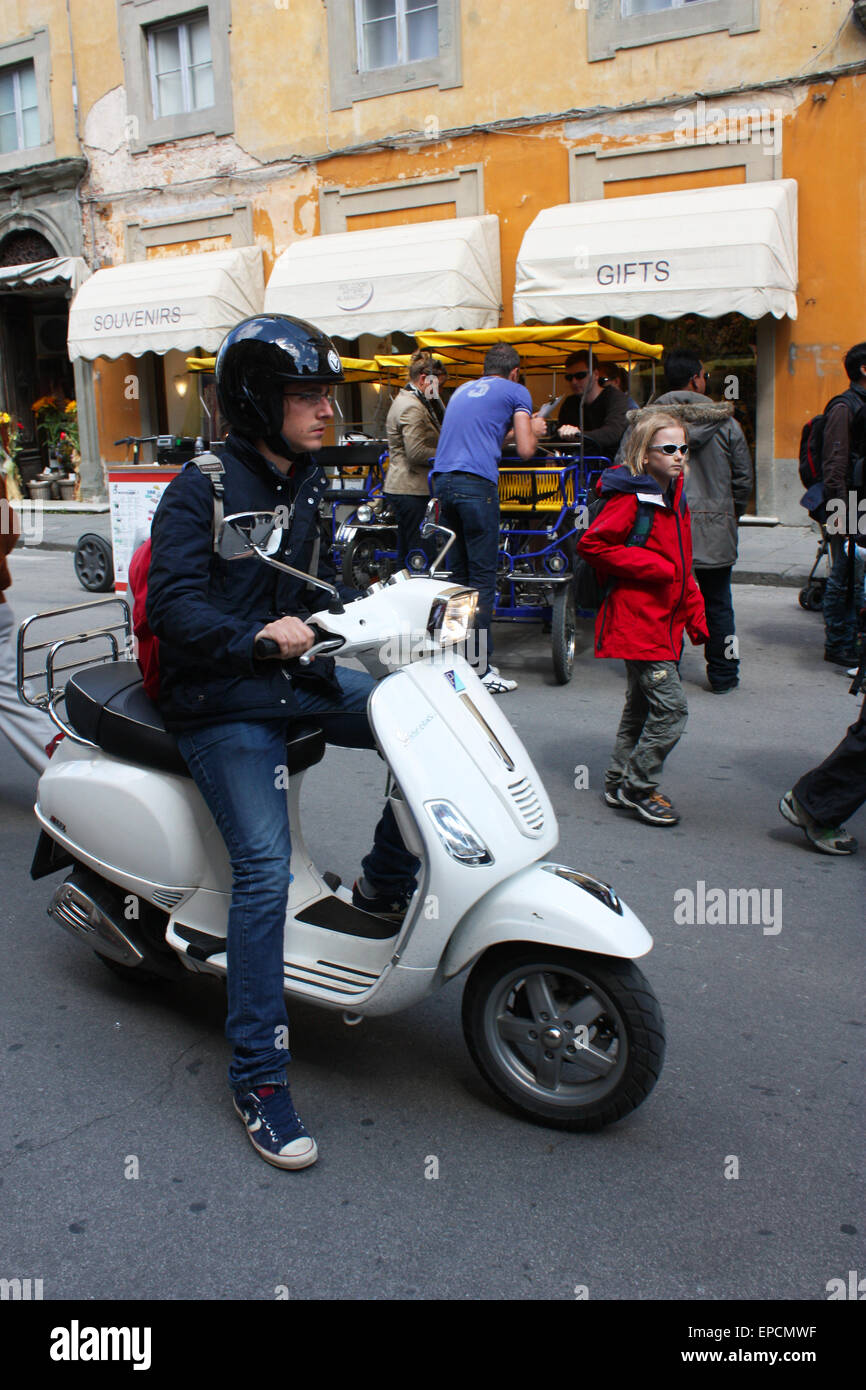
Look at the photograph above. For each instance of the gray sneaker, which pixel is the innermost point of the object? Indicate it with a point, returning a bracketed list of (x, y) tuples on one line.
[(829, 839), (652, 807)]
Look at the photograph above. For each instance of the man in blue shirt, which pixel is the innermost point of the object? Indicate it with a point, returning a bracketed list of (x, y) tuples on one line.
[(466, 480)]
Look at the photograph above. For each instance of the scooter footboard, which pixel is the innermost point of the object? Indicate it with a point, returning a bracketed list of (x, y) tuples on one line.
[(553, 904)]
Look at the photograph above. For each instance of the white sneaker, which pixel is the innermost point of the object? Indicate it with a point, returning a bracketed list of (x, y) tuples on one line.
[(496, 684)]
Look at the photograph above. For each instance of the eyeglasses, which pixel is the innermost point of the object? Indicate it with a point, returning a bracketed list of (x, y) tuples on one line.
[(310, 397), (671, 449), (576, 376)]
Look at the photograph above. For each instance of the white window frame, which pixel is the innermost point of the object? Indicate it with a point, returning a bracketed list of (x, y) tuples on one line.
[(182, 27), (18, 109), (609, 29), (402, 34), (144, 128), (35, 49), (350, 82)]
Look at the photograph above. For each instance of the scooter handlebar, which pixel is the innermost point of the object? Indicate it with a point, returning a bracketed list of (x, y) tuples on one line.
[(265, 648)]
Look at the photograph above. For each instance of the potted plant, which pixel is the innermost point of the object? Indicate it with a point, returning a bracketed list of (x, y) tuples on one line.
[(57, 427)]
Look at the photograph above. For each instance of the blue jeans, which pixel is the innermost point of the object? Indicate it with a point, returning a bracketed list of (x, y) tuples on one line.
[(235, 766), (723, 668), (840, 612), (469, 506)]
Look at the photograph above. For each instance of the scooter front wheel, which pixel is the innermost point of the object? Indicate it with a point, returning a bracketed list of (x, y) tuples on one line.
[(573, 1040)]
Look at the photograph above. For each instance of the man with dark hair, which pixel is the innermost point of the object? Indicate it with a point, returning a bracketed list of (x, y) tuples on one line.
[(844, 441), (718, 488), (604, 407), (466, 480), (684, 371)]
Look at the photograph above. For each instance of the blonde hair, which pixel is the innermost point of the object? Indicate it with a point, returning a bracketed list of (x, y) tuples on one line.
[(645, 426)]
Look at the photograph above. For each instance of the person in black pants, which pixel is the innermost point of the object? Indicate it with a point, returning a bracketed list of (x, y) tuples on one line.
[(830, 793)]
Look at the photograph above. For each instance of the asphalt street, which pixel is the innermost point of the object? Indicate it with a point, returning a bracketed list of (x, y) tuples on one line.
[(738, 1177)]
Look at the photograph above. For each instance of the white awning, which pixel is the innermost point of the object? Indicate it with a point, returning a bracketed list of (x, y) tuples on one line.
[(74, 270), (180, 302), (706, 251), (441, 275)]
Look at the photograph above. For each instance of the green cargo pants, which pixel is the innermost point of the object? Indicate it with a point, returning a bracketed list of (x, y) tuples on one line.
[(652, 724)]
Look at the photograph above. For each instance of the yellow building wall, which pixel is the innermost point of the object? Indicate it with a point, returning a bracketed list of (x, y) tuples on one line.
[(519, 58)]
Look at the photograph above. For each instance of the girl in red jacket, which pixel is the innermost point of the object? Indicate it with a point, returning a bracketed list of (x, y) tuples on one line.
[(641, 541)]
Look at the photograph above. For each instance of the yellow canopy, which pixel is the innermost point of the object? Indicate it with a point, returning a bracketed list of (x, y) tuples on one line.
[(543, 348)]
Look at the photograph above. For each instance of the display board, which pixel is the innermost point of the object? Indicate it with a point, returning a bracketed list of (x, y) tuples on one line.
[(133, 495)]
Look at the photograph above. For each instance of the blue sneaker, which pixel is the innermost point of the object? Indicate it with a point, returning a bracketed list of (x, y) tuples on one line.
[(274, 1127)]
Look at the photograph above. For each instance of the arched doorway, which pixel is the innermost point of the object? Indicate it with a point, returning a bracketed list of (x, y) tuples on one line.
[(33, 357)]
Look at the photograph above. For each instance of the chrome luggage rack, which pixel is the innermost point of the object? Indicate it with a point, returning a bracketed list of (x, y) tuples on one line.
[(112, 641)]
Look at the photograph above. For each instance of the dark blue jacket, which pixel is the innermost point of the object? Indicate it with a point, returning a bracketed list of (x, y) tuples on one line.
[(206, 611)]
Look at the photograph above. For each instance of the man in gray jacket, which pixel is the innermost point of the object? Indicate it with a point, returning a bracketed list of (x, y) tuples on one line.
[(718, 486)]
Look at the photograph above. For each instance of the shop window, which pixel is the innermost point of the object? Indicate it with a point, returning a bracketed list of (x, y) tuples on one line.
[(178, 79), (381, 46), (181, 70), (615, 24)]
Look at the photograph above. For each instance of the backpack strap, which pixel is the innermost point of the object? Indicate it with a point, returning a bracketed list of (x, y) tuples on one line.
[(213, 469), (640, 531)]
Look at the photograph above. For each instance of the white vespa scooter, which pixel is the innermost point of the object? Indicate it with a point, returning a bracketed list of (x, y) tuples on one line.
[(557, 1017)]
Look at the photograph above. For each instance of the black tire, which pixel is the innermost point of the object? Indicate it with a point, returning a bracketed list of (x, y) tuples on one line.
[(611, 1000), (803, 598), (815, 596), (94, 563), (359, 568), (563, 634)]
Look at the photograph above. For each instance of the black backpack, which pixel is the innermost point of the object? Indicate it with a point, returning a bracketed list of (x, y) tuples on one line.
[(590, 591), (811, 465)]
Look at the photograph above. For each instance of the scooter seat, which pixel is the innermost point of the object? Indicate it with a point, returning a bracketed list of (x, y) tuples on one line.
[(107, 704)]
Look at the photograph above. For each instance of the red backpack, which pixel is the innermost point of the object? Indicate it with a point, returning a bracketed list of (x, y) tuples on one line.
[(148, 645)]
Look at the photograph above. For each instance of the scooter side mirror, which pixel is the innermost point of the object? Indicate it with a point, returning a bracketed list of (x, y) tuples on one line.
[(430, 525), (243, 533)]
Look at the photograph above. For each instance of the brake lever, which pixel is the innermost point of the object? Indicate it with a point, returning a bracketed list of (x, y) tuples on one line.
[(328, 644)]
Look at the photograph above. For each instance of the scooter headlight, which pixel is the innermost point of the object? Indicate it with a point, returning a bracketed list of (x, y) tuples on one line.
[(451, 618), (457, 834)]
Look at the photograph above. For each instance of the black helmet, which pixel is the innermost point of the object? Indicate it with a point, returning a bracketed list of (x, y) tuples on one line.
[(255, 361)]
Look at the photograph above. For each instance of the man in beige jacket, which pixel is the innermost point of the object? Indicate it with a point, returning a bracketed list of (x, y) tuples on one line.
[(413, 425)]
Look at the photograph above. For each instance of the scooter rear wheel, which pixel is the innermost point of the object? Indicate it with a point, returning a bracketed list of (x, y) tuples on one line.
[(572, 1040)]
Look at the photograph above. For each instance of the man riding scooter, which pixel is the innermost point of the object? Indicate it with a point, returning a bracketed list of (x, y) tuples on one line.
[(230, 710)]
